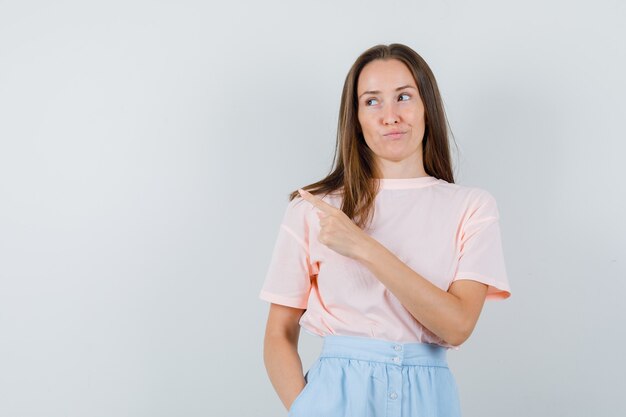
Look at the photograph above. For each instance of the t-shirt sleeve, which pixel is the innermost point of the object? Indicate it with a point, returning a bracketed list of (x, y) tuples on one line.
[(288, 278), (481, 256)]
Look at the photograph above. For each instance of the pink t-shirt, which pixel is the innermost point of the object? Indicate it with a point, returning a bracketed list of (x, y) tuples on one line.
[(445, 232)]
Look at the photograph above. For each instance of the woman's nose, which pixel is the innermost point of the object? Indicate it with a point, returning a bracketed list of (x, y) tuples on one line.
[(390, 116)]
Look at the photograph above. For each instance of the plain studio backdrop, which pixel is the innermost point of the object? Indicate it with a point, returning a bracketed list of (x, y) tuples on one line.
[(147, 149)]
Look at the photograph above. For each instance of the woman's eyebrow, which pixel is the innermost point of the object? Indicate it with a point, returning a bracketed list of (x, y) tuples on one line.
[(397, 89)]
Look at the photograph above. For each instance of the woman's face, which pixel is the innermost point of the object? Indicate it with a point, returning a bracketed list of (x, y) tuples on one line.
[(389, 102)]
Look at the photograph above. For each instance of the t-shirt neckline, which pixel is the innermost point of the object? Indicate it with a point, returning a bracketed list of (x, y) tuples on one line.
[(403, 183)]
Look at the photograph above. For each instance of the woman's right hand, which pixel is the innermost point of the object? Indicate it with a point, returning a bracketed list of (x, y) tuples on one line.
[(280, 352)]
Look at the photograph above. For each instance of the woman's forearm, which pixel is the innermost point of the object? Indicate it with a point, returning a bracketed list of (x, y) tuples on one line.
[(284, 367), (437, 310)]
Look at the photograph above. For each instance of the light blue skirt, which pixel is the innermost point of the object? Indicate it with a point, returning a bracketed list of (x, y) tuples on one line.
[(363, 377)]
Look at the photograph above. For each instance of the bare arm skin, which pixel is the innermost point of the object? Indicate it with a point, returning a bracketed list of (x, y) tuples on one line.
[(451, 315), (280, 352)]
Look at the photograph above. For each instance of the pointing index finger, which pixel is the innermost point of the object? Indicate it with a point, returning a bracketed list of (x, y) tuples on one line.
[(316, 201)]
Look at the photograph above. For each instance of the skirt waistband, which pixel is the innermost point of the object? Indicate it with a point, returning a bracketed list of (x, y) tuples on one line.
[(379, 350)]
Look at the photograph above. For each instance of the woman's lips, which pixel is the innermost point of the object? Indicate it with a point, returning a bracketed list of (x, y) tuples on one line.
[(395, 135)]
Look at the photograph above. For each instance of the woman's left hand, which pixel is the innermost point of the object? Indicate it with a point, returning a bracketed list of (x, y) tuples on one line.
[(338, 231)]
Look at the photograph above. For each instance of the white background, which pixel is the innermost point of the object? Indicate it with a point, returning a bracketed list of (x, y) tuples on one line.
[(147, 149)]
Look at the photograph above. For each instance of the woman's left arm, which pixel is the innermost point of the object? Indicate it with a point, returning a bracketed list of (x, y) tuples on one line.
[(451, 315)]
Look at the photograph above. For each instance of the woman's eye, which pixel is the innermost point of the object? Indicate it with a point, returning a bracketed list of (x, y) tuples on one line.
[(368, 101)]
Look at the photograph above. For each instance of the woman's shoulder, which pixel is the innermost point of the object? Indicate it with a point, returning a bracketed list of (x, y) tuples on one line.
[(465, 198), (464, 191)]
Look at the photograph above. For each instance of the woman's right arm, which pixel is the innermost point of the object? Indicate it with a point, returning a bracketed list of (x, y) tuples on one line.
[(280, 352)]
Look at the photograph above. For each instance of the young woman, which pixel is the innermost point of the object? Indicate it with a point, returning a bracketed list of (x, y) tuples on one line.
[(386, 258)]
